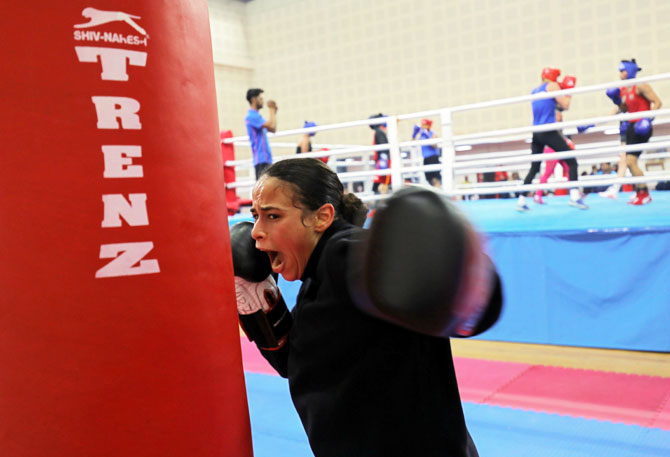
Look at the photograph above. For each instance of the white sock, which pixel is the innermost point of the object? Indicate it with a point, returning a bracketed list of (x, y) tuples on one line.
[(522, 200), (575, 194)]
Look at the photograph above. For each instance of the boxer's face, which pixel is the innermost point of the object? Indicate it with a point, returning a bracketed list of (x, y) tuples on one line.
[(282, 229), (623, 74)]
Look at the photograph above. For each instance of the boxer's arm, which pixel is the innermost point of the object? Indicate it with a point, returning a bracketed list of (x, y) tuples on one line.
[(263, 314), (421, 266), (271, 124), (647, 92), (563, 102)]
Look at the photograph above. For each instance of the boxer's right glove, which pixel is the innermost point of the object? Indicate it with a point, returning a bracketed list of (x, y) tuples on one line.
[(422, 267), (614, 94), (263, 314), (643, 127)]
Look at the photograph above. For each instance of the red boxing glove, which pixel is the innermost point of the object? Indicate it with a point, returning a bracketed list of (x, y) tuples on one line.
[(568, 82)]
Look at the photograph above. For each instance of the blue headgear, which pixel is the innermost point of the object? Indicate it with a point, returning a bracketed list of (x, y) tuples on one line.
[(373, 116), (309, 124), (630, 66)]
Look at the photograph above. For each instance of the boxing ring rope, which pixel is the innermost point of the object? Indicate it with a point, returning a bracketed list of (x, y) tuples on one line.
[(453, 165)]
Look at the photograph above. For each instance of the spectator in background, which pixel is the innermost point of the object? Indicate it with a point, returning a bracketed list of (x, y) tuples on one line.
[(305, 143), (430, 153), (381, 183), (605, 169), (257, 128)]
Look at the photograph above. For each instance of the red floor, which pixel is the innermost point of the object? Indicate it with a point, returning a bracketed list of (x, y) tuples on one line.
[(625, 398)]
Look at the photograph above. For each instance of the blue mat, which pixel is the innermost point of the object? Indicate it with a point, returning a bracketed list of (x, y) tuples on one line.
[(496, 216), (498, 432)]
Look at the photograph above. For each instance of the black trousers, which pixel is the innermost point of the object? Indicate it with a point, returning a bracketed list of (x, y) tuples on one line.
[(430, 175), (555, 141)]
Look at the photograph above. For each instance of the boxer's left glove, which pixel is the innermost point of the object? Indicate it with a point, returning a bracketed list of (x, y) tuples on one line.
[(568, 82), (263, 314)]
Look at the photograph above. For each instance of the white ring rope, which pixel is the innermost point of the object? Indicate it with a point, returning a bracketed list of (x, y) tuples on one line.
[(454, 165)]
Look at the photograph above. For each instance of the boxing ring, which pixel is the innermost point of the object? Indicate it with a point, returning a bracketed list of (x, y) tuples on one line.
[(583, 278), (590, 279)]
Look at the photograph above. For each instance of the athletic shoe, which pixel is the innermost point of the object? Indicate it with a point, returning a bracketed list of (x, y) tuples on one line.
[(578, 204), (538, 199), (522, 208), (610, 192), (642, 197)]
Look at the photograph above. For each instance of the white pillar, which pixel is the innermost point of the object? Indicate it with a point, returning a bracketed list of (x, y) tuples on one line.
[(448, 151), (394, 149)]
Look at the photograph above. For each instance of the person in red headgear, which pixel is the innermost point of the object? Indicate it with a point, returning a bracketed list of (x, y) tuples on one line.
[(633, 99), (544, 112), (430, 153)]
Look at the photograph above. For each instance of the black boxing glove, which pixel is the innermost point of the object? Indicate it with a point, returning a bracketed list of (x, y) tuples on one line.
[(263, 314), (422, 267)]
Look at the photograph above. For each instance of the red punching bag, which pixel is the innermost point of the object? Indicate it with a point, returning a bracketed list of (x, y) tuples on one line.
[(118, 327)]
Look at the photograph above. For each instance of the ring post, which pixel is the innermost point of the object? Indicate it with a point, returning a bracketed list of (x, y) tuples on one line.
[(394, 149), (448, 151)]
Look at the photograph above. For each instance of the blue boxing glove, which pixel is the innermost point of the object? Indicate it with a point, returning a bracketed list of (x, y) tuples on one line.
[(383, 160), (416, 130), (584, 128), (623, 127), (643, 127), (615, 94)]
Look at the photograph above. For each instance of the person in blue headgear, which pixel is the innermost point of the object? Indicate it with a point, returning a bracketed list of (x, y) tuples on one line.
[(304, 143), (633, 99)]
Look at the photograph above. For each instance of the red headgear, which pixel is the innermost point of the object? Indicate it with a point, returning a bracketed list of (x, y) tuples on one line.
[(427, 121), (551, 73)]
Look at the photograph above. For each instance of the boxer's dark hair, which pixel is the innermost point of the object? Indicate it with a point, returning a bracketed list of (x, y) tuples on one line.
[(314, 184), (251, 93)]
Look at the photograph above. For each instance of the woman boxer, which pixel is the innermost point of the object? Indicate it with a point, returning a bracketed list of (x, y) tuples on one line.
[(368, 357)]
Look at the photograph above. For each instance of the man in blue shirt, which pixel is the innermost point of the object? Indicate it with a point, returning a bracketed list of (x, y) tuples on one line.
[(257, 128)]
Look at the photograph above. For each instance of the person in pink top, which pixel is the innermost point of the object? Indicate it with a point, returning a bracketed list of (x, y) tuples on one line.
[(549, 167)]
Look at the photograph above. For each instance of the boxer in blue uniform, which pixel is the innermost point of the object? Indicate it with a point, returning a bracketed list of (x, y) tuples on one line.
[(544, 112)]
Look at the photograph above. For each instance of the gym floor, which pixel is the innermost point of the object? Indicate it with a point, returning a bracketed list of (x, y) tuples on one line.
[(519, 399)]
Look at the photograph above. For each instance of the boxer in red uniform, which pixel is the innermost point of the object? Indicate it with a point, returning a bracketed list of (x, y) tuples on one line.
[(632, 99)]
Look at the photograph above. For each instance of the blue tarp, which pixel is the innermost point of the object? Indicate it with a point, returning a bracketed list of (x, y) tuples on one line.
[(598, 278)]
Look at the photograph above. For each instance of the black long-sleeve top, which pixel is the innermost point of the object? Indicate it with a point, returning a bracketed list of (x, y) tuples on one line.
[(364, 387)]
